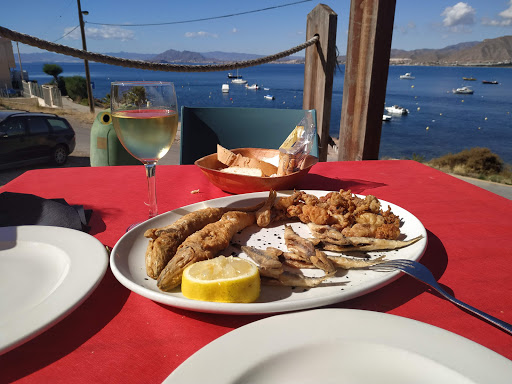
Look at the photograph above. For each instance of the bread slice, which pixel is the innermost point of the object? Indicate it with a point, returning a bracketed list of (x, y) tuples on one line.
[(243, 171), (231, 159)]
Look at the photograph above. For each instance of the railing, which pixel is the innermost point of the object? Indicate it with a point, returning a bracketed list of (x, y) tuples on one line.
[(368, 51), (48, 94)]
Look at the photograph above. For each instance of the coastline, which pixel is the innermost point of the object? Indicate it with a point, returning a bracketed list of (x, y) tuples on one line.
[(81, 120)]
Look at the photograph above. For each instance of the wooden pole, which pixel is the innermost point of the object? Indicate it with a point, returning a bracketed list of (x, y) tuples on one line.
[(319, 70), (366, 74)]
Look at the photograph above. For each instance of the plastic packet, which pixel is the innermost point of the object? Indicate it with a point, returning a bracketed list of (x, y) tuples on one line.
[(296, 147)]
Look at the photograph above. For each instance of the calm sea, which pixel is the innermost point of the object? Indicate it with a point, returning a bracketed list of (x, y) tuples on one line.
[(439, 121)]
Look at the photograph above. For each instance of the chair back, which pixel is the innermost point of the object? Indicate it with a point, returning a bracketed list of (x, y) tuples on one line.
[(202, 128)]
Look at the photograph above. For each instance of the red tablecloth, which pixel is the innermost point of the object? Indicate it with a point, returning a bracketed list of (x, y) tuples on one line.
[(118, 336)]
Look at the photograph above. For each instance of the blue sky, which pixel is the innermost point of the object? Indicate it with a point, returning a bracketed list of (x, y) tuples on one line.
[(418, 24)]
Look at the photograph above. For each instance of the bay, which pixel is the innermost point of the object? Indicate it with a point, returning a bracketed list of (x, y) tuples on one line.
[(439, 121)]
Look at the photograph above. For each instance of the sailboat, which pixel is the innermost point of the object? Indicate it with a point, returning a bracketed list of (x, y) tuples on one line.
[(238, 79)]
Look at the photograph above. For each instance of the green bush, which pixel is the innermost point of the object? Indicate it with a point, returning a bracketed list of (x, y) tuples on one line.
[(76, 87), (477, 161)]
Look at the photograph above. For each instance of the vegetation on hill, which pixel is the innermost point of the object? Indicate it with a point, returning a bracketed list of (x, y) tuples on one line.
[(479, 163)]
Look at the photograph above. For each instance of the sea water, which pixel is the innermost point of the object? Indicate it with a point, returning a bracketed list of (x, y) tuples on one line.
[(439, 122)]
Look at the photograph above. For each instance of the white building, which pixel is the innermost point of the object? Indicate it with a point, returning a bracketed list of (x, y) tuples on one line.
[(6, 63)]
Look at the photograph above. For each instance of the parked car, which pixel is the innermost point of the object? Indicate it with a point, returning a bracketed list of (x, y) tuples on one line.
[(27, 138)]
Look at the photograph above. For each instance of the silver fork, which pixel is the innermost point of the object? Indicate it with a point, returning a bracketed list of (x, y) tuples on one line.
[(421, 273)]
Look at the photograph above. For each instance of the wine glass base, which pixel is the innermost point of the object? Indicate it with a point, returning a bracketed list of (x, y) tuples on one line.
[(133, 226)]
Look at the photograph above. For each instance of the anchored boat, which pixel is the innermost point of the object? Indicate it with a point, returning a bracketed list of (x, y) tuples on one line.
[(407, 76), (397, 110), (463, 91)]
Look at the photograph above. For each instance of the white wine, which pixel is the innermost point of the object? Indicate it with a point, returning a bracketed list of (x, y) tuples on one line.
[(146, 134)]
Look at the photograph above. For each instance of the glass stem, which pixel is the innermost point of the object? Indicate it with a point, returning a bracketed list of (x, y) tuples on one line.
[(151, 177)]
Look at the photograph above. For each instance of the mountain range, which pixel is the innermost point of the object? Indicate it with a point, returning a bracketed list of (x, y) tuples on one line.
[(496, 51)]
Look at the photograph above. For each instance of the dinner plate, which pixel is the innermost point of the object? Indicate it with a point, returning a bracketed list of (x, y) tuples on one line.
[(45, 273), (128, 265), (342, 346)]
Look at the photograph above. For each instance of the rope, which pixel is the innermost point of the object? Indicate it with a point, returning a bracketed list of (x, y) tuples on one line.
[(97, 57)]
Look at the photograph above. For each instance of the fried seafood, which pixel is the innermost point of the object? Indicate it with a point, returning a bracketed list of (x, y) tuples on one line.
[(273, 272), (165, 241), (306, 250), (331, 239), (267, 260), (354, 216), (350, 263), (264, 214), (203, 244)]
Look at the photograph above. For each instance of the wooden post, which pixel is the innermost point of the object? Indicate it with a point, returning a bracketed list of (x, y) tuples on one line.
[(366, 74), (319, 70)]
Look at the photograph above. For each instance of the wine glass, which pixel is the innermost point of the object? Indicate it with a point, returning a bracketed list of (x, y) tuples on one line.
[(145, 118)]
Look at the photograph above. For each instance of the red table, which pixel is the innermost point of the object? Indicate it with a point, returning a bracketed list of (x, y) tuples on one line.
[(118, 336)]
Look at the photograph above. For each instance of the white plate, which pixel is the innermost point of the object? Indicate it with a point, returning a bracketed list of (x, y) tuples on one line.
[(127, 263), (45, 273), (342, 346)]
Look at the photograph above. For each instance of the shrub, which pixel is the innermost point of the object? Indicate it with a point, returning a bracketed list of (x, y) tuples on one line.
[(476, 161), (76, 87)]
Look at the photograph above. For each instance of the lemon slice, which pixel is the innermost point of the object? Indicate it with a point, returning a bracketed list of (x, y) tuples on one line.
[(222, 279)]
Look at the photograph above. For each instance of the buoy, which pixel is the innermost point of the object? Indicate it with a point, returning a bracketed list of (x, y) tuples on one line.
[(462, 101), (418, 108), (485, 118), (440, 114), (427, 128), (412, 86)]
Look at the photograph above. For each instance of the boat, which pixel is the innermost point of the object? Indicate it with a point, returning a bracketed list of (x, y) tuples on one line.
[(254, 86), (269, 97), (397, 110), (225, 88), (463, 90), (489, 82), (407, 76), (239, 81), (386, 118), (469, 78)]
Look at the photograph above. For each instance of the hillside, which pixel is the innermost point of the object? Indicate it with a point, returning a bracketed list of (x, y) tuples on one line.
[(488, 52), (496, 51)]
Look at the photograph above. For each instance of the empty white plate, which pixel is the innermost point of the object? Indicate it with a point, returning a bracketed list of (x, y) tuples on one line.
[(342, 346), (45, 273)]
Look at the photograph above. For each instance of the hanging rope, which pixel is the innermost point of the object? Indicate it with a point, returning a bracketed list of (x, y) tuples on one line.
[(97, 57)]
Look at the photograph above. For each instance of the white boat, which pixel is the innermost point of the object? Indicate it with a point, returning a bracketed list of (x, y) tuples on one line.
[(237, 79), (269, 97), (463, 90), (225, 88), (254, 86), (386, 118), (407, 76), (396, 110)]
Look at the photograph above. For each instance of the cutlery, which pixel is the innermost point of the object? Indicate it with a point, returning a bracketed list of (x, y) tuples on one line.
[(423, 274)]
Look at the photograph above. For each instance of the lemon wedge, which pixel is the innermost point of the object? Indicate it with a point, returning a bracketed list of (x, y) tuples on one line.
[(222, 279)]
